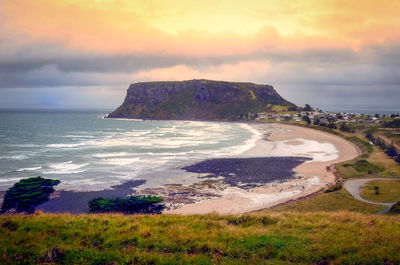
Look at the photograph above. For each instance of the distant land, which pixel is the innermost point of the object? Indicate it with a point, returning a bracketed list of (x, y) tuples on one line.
[(199, 100)]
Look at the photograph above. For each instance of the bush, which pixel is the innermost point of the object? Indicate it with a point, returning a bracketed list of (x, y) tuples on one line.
[(392, 124), (391, 151), (395, 208), (307, 119), (347, 128), (132, 204), (365, 166), (26, 194), (336, 187)]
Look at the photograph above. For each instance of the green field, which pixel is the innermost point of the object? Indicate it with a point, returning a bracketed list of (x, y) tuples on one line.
[(333, 201), (388, 191), (288, 238)]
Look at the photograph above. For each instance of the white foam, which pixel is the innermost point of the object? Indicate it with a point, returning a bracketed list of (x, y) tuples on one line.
[(134, 120), (66, 168), (24, 145), (28, 169), (119, 161), (19, 157), (115, 154), (319, 152), (64, 145), (247, 145), (9, 180)]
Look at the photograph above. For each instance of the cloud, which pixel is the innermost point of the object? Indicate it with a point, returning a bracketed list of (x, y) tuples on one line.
[(319, 49)]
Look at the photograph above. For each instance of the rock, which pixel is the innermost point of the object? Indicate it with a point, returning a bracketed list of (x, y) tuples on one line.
[(197, 100)]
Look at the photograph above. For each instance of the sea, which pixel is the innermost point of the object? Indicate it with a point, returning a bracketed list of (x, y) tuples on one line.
[(89, 152)]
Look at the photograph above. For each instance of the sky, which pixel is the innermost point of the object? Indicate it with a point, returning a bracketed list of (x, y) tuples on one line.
[(332, 54)]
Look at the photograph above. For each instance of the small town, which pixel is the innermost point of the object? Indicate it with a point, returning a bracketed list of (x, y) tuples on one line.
[(321, 117)]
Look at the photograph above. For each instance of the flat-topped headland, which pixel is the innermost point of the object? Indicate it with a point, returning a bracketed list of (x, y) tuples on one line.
[(197, 100)]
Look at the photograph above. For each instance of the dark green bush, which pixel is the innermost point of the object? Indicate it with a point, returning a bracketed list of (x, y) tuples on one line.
[(337, 186), (132, 204), (28, 193), (365, 166), (392, 124), (395, 208)]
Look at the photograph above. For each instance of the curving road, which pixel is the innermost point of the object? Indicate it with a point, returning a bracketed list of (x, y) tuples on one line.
[(353, 186)]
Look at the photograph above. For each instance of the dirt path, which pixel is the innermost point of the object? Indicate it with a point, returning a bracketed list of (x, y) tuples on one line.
[(353, 186)]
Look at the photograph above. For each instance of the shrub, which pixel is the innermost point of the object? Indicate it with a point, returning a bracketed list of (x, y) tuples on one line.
[(238, 220), (28, 193), (337, 186), (346, 128), (392, 124), (365, 166), (395, 208), (391, 151), (132, 204)]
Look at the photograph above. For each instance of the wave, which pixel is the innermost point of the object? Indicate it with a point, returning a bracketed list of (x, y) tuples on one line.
[(119, 161), (115, 154), (4, 180), (28, 169), (247, 145), (18, 157), (65, 168), (64, 145), (25, 145)]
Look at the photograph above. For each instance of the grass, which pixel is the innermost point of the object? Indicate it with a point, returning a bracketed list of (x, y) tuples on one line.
[(364, 166), (389, 191), (289, 238), (372, 163), (339, 200)]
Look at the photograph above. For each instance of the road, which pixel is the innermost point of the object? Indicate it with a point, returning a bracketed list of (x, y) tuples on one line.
[(353, 186)]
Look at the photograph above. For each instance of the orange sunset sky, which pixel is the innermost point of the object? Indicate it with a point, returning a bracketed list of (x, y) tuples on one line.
[(84, 54)]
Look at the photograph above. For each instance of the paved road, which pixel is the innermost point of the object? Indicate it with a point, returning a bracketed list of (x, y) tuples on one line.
[(353, 186)]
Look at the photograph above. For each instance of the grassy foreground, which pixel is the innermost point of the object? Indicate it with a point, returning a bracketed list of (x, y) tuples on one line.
[(286, 238)]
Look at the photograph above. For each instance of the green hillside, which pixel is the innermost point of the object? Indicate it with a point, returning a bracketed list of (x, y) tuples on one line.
[(285, 238)]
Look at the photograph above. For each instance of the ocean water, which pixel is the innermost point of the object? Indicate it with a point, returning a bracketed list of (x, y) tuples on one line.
[(87, 152)]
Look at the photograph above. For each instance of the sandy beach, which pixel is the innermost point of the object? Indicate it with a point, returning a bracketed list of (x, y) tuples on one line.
[(281, 140)]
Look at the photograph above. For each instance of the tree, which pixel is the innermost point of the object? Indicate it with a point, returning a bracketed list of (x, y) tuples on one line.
[(28, 193), (307, 119), (307, 107), (346, 128), (391, 151)]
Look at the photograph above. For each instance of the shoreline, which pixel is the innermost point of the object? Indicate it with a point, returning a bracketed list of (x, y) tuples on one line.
[(311, 177), (272, 142)]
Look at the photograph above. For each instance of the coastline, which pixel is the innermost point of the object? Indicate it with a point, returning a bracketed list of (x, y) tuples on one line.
[(311, 176), (269, 183)]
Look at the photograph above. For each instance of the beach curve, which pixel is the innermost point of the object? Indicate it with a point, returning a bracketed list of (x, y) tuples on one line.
[(311, 176)]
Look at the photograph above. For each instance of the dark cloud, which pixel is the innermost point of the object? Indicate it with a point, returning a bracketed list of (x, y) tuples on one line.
[(317, 76)]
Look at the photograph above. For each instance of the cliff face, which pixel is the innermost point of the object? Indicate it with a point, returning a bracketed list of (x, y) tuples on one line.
[(197, 100)]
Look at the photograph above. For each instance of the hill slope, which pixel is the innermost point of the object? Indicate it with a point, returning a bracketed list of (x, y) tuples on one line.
[(288, 238), (197, 100)]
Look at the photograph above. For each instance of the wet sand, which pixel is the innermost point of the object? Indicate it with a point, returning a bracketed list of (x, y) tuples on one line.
[(282, 140)]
